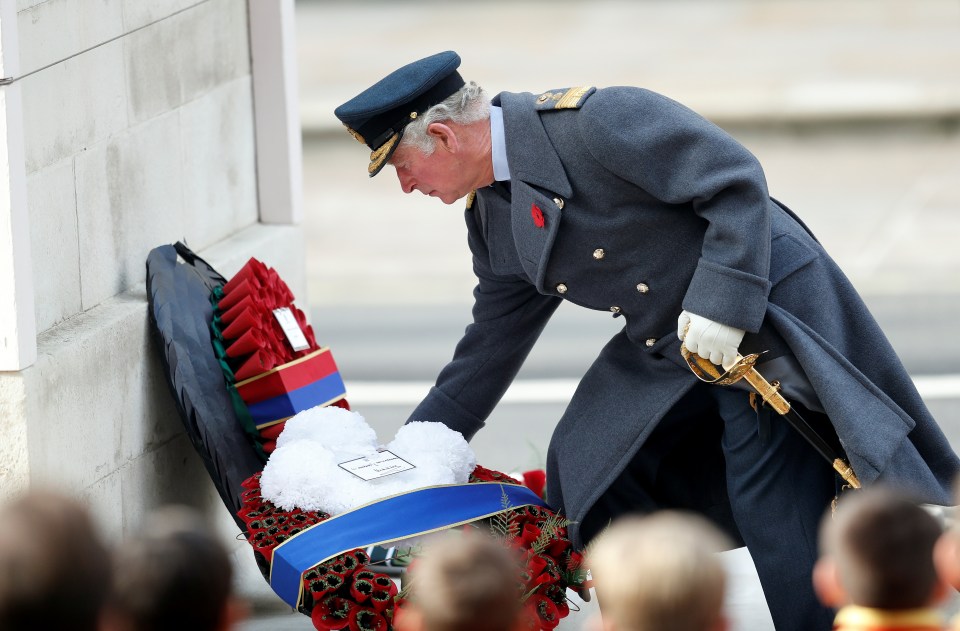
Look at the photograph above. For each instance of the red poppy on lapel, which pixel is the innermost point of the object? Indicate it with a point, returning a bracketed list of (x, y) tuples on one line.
[(537, 215)]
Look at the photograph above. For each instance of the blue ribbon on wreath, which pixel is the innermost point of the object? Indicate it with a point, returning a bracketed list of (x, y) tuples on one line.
[(405, 515)]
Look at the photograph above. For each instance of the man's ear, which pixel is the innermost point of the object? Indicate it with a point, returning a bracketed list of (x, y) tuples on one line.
[(826, 583), (445, 136)]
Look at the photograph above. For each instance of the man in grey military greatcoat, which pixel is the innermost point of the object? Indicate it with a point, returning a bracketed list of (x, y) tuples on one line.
[(622, 200)]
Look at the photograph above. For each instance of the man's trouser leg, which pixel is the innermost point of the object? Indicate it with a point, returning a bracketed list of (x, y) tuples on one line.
[(779, 489)]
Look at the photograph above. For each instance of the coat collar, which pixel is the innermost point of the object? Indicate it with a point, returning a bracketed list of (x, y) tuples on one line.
[(530, 153)]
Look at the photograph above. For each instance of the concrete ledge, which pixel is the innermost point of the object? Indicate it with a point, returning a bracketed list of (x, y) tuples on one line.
[(14, 471), (280, 247)]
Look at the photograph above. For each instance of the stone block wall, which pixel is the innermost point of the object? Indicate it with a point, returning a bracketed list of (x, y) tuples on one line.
[(139, 130)]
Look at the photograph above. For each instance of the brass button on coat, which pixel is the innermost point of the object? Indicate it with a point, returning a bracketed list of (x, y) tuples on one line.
[(616, 310), (558, 202), (651, 341), (643, 288), (599, 253), (561, 288)]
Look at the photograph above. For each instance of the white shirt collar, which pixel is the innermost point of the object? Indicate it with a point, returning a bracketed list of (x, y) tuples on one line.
[(498, 146)]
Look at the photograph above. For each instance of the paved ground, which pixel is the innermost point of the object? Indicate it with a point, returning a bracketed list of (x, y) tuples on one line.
[(852, 106)]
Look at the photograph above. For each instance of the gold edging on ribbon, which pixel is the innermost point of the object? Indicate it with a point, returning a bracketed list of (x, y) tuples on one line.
[(319, 351), (278, 421), (377, 543)]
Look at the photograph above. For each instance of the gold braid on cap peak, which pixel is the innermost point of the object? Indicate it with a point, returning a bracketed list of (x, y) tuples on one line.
[(353, 132), (380, 155)]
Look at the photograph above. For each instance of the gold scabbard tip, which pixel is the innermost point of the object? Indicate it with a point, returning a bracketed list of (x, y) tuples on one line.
[(846, 472)]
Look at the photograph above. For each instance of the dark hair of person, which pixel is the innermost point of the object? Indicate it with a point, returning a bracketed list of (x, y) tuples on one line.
[(173, 576), (54, 568), (882, 543)]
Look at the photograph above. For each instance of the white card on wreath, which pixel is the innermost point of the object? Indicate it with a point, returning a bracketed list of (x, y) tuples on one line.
[(378, 465), (291, 328)]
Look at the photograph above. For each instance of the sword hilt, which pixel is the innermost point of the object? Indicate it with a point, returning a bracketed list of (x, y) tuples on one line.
[(742, 368)]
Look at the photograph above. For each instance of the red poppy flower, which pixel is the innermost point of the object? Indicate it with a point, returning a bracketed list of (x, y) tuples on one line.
[(361, 556), (332, 613), (319, 590), (575, 561), (528, 535), (361, 590), (558, 596), (363, 619), (536, 481), (382, 581), (380, 599), (537, 215), (546, 610), (535, 565), (557, 547)]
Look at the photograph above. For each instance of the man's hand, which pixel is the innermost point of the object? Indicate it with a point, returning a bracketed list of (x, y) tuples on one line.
[(708, 339)]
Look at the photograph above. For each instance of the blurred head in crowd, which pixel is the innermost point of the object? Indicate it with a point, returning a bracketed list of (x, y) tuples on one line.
[(462, 583), (175, 575), (54, 569), (660, 573), (877, 552)]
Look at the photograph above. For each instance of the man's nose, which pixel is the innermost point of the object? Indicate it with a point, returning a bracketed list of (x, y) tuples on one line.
[(406, 182)]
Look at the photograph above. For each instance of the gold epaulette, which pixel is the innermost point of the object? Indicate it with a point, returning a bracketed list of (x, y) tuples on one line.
[(568, 99)]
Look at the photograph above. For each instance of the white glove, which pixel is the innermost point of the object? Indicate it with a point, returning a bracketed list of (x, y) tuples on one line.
[(708, 339)]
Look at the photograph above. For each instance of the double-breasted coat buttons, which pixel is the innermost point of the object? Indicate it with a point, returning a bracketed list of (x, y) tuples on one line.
[(616, 310), (651, 341), (599, 254), (643, 288), (561, 288)]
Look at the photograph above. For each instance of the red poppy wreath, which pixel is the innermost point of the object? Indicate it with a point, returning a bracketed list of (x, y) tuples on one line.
[(330, 494), (302, 489)]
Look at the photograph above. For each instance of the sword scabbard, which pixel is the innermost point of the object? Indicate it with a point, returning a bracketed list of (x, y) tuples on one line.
[(846, 472)]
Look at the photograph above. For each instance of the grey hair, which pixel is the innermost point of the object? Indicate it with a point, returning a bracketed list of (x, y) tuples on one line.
[(467, 105)]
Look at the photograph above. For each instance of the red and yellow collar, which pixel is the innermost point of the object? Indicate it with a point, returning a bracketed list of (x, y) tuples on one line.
[(853, 618)]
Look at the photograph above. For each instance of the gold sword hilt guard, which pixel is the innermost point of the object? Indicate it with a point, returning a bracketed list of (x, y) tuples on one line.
[(743, 368)]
